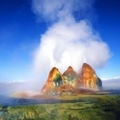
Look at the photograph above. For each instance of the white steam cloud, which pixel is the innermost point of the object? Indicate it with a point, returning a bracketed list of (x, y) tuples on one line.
[(69, 40), (60, 9)]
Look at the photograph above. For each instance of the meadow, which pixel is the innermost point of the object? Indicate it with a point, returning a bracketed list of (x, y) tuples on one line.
[(77, 107)]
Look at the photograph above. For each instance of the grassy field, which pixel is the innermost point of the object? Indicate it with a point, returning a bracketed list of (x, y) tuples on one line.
[(81, 107)]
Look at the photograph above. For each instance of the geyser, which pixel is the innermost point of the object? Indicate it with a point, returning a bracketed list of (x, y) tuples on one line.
[(69, 40)]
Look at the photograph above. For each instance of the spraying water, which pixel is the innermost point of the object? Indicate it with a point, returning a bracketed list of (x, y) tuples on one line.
[(70, 39)]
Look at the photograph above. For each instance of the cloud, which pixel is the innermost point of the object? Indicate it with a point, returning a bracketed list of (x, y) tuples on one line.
[(60, 9), (67, 41), (70, 43)]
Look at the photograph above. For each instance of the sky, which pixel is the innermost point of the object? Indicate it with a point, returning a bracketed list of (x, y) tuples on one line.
[(36, 35)]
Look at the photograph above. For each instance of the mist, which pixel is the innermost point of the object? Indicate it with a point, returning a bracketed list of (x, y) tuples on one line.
[(111, 84), (70, 39)]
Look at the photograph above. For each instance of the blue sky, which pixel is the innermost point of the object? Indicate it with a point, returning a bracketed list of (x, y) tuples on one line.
[(108, 26), (20, 33)]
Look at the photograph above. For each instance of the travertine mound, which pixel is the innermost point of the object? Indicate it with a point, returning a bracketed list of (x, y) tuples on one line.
[(70, 81), (88, 78), (54, 79), (70, 77)]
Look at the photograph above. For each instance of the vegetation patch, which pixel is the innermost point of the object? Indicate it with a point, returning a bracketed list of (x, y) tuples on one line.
[(94, 107)]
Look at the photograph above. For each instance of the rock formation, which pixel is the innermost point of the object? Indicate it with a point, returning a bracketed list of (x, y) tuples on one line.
[(88, 78), (70, 77), (71, 81), (57, 83), (54, 80)]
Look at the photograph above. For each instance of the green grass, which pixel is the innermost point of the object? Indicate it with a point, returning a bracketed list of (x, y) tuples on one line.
[(88, 107)]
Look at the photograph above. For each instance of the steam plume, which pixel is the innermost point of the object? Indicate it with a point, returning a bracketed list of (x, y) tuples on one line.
[(70, 40)]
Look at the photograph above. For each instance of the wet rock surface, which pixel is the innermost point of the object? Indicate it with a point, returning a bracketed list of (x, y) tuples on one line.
[(70, 81)]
